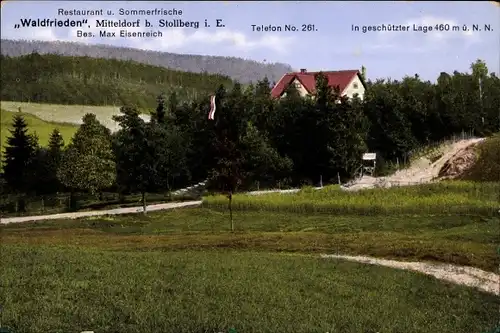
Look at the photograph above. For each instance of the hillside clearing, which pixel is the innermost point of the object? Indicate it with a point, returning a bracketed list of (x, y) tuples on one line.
[(70, 114), (43, 128)]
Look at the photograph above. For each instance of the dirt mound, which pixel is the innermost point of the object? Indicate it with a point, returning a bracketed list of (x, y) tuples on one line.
[(451, 160), (459, 163)]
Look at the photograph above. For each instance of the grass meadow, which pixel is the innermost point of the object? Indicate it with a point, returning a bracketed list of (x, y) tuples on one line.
[(435, 198), (35, 125), (78, 289)]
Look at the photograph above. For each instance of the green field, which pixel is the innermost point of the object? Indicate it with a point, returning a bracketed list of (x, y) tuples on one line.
[(42, 128), (184, 271)]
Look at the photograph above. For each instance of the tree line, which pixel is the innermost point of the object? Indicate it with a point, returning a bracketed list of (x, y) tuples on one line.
[(254, 138), (59, 79)]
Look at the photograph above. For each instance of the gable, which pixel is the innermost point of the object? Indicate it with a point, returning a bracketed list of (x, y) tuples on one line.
[(355, 86), (299, 86)]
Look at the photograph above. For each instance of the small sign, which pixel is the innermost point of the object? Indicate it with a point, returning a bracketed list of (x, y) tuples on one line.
[(369, 156)]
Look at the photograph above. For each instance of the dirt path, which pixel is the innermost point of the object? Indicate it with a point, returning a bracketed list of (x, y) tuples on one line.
[(117, 211), (129, 210), (467, 276)]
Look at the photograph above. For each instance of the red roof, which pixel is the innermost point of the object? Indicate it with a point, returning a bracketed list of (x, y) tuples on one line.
[(335, 79)]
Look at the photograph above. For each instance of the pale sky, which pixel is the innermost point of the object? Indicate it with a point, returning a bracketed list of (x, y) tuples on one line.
[(334, 46)]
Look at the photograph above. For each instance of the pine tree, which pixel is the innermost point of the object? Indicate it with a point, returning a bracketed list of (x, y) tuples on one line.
[(160, 113), (56, 144), (148, 156), (52, 157), (19, 154), (173, 103)]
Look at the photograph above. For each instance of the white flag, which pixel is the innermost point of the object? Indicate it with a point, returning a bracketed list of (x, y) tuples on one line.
[(212, 108)]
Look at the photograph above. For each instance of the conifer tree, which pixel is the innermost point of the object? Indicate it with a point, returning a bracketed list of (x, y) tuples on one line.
[(19, 159), (160, 112), (19, 154)]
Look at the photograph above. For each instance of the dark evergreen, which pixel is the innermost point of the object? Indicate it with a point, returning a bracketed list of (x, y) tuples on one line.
[(19, 156), (160, 112), (19, 168)]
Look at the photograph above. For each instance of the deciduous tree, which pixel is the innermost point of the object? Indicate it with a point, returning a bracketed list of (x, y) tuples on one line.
[(88, 162)]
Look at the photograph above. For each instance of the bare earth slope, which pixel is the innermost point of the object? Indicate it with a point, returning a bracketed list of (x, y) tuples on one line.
[(423, 170)]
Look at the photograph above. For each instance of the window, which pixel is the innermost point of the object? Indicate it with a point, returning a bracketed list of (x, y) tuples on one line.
[(355, 86)]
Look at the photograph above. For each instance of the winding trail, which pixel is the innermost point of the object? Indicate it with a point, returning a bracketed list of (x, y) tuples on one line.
[(117, 211), (462, 275)]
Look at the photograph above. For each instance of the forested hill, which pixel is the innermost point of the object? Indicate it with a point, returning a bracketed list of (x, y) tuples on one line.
[(60, 79), (238, 69)]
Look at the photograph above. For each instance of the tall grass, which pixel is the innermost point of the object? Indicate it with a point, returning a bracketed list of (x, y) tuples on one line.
[(436, 198), (433, 149)]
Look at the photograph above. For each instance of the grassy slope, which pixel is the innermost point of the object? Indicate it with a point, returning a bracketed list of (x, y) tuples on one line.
[(82, 289), (487, 166), (42, 128)]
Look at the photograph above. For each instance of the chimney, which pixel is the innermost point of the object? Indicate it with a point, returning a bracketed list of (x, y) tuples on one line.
[(303, 70)]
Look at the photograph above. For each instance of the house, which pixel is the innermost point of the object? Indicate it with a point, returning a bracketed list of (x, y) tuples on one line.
[(349, 82)]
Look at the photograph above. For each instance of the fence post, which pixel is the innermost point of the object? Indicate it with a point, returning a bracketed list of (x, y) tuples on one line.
[(338, 177), (320, 180)]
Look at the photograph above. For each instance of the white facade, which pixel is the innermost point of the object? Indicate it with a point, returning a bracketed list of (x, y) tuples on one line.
[(355, 87)]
